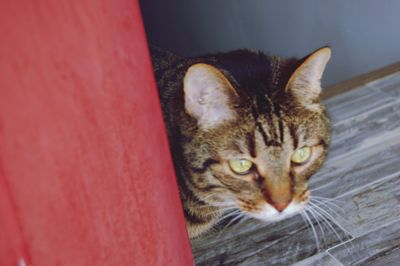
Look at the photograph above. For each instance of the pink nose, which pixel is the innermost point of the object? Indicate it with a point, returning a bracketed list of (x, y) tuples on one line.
[(280, 206)]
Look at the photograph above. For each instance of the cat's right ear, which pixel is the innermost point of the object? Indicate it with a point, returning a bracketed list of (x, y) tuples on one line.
[(209, 96), (305, 82)]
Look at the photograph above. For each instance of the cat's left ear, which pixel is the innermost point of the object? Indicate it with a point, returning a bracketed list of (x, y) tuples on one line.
[(305, 82), (209, 96)]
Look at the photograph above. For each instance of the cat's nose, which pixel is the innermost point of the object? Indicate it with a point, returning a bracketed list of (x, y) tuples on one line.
[(281, 205)]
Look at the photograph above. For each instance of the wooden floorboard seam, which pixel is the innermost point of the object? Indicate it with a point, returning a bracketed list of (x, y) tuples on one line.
[(356, 249), (334, 258)]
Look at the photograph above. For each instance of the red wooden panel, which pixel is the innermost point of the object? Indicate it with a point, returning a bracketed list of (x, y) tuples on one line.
[(86, 173), (11, 239)]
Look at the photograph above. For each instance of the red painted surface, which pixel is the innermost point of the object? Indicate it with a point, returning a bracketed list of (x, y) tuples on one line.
[(85, 172)]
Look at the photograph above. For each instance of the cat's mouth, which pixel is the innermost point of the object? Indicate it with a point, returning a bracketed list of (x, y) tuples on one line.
[(268, 213)]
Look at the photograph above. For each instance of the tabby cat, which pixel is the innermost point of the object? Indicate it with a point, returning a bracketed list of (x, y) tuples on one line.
[(246, 130)]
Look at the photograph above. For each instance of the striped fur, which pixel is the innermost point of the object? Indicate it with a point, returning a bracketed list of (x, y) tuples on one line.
[(273, 117)]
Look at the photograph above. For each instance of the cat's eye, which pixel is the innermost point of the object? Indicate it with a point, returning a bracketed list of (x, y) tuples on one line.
[(241, 166), (301, 155)]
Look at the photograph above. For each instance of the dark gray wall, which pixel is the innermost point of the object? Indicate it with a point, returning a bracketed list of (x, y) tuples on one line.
[(364, 34)]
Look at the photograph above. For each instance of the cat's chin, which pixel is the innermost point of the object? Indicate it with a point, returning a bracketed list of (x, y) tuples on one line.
[(269, 214)]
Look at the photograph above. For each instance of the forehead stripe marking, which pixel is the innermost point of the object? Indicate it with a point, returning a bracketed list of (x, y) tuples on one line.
[(281, 130), (251, 144), (263, 134), (294, 136), (265, 138), (280, 122)]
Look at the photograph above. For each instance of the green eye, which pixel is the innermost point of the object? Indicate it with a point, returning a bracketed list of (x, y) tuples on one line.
[(301, 155), (240, 166)]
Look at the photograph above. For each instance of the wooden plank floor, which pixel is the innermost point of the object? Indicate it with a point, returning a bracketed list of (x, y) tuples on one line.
[(361, 177)]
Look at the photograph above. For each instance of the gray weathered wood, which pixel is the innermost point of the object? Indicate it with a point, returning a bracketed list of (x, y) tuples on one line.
[(389, 85), (371, 247), (354, 132), (357, 169), (391, 257), (355, 103), (276, 244), (347, 97), (373, 206), (320, 259)]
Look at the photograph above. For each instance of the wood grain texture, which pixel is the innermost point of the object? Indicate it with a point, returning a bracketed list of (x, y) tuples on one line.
[(320, 259), (362, 174), (373, 206), (389, 257), (389, 85), (355, 102), (372, 247), (364, 129), (259, 244), (350, 172)]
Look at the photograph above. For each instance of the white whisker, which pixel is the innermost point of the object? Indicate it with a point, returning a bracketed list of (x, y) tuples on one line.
[(328, 222), (327, 206), (329, 199), (328, 215), (228, 214), (319, 187), (312, 211), (239, 216), (312, 229)]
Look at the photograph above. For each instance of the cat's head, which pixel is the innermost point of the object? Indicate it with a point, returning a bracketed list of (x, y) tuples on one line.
[(254, 144)]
